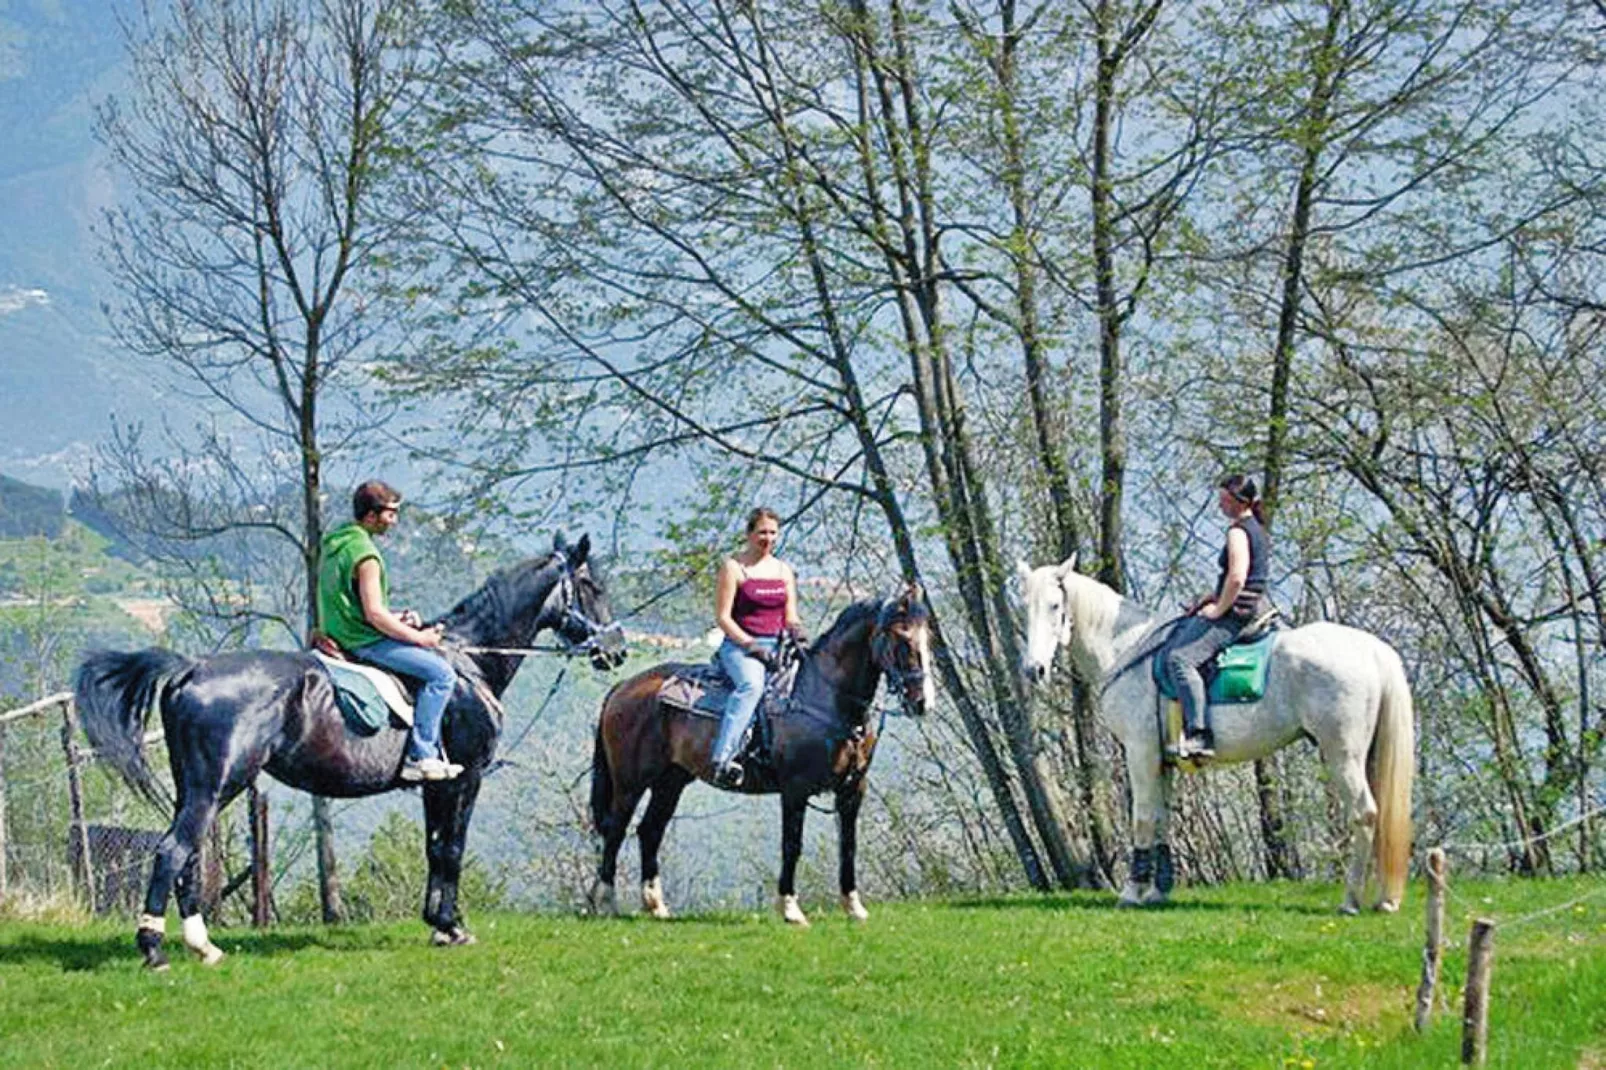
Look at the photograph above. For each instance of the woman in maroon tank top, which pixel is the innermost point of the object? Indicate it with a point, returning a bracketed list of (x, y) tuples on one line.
[(755, 600)]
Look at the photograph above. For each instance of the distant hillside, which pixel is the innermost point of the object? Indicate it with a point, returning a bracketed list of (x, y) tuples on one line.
[(27, 510)]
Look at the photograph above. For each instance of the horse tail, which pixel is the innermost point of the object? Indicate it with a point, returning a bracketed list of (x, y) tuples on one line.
[(601, 782), (115, 694), (1392, 768)]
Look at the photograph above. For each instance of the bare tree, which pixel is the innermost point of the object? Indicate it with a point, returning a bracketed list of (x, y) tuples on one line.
[(250, 260)]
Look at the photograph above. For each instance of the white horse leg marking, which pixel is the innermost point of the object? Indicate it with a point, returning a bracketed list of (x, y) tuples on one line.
[(152, 923), (792, 912), (652, 898), (198, 940), (853, 906)]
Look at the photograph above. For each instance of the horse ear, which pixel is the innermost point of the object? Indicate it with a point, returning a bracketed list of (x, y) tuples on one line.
[(1023, 570), (912, 593), (582, 548), (1067, 567)]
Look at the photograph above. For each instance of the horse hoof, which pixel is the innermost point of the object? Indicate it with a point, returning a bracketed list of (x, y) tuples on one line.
[(652, 899), (600, 898), (456, 936), (792, 912), (1387, 906), (211, 956), (1154, 897), (853, 906), (1349, 910)]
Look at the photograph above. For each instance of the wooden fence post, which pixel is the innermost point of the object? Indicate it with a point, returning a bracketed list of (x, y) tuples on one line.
[(1475, 1015), (1433, 950), (261, 901), (83, 872)]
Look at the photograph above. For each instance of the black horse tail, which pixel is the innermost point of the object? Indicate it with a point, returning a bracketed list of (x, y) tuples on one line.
[(601, 784), (116, 693)]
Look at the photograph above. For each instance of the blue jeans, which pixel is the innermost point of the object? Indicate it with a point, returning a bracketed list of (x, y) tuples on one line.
[(438, 678), (1193, 643), (748, 676)]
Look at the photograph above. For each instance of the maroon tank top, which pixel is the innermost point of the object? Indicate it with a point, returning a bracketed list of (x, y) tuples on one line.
[(760, 605)]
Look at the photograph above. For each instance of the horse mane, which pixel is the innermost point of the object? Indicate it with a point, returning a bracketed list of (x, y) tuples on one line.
[(489, 610), (1094, 607), (849, 618)]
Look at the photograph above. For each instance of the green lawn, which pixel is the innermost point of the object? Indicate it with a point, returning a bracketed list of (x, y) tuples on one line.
[(1259, 976)]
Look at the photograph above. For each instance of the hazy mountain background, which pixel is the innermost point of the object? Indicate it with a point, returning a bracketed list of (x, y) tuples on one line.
[(61, 376)]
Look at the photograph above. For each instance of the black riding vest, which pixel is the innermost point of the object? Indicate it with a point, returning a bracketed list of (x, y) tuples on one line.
[(1247, 604)]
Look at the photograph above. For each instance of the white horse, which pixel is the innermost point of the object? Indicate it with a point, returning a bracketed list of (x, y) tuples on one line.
[(1344, 688)]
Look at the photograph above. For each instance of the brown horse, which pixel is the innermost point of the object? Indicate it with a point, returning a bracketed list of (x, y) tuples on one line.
[(824, 740)]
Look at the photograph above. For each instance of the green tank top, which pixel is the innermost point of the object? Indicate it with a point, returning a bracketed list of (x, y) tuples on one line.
[(340, 614)]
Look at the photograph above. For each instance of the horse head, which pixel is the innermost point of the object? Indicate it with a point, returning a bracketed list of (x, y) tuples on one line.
[(900, 643), (578, 611), (1048, 615)]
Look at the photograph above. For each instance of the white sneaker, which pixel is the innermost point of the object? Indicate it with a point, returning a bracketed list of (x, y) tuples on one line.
[(429, 769)]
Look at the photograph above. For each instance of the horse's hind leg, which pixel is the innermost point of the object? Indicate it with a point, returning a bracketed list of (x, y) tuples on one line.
[(196, 938), (612, 827), (1358, 806), (177, 853), (650, 834)]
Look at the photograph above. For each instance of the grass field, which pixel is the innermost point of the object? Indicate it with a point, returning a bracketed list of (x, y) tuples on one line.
[(1254, 976)]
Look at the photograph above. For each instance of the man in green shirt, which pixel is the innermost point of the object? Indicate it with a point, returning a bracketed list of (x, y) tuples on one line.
[(354, 611)]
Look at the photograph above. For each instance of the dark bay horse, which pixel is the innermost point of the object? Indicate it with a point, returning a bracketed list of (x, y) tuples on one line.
[(228, 717), (824, 741)]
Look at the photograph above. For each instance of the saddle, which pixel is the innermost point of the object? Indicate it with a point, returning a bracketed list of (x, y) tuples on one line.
[(1235, 676), (367, 695), (701, 691)]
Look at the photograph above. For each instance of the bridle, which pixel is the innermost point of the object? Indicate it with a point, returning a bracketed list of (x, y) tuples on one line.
[(600, 639), (567, 618), (904, 681)]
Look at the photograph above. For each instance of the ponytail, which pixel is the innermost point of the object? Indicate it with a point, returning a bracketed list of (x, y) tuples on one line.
[(1243, 490)]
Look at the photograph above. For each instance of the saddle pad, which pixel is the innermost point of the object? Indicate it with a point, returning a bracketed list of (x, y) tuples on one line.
[(1237, 674), (367, 694), (697, 689)]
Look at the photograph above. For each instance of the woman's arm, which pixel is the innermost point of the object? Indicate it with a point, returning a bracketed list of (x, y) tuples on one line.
[(793, 621), (725, 601), (376, 613), (1237, 573)]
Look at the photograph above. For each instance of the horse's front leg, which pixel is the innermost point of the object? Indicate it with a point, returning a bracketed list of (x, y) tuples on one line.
[(1165, 874), (793, 806), (1147, 802), (848, 799), (448, 806)]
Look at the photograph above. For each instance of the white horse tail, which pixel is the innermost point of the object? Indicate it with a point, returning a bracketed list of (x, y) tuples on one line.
[(1393, 765)]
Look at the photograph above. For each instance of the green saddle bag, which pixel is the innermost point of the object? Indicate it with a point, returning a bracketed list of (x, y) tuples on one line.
[(1237, 674)]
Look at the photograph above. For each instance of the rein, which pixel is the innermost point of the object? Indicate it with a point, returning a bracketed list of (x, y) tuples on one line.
[(1146, 649)]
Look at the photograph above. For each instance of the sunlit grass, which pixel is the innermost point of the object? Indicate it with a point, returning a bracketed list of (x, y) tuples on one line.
[(1244, 976)]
